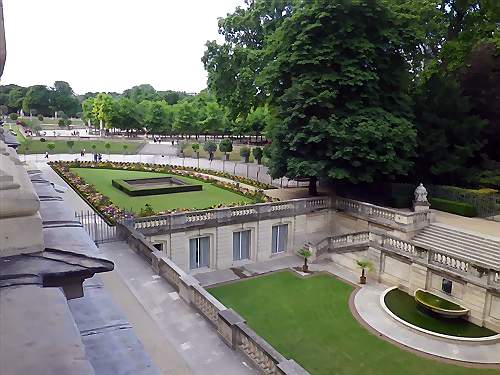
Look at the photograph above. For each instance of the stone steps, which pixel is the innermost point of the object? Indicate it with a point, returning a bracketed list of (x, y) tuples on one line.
[(454, 242)]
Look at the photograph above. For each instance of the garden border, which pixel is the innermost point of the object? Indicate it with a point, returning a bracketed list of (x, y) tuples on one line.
[(58, 166), (492, 339)]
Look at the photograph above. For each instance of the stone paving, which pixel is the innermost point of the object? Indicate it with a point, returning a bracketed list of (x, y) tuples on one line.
[(193, 338), (367, 303)]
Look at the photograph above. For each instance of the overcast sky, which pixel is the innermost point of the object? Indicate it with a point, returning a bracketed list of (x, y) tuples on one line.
[(110, 45)]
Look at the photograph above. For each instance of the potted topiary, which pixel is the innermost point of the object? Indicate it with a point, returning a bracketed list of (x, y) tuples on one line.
[(210, 147), (257, 154), (226, 146), (245, 153), (364, 265), (304, 253)]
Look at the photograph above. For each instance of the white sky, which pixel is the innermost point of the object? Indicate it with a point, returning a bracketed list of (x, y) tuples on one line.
[(110, 45)]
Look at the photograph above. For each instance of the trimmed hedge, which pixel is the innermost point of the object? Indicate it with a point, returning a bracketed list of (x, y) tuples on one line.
[(458, 208), (134, 191)]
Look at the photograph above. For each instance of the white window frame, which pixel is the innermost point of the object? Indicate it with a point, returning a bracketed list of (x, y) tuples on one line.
[(198, 255), (249, 244), (278, 226)]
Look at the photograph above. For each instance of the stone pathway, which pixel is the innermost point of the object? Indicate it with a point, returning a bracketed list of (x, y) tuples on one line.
[(473, 224), (187, 332), (251, 170)]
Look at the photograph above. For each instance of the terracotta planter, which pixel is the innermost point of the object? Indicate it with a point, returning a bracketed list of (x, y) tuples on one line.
[(362, 279), (305, 268)]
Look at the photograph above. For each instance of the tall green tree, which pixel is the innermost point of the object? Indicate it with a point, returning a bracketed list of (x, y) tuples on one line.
[(338, 80), (449, 136), (233, 66), (64, 99), (38, 97), (104, 109), (157, 118)]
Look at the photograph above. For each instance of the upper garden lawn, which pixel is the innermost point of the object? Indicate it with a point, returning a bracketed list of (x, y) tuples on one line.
[(209, 196), (309, 320), (37, 147)]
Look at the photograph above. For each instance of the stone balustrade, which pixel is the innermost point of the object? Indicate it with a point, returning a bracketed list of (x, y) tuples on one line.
[(230, 326), (406, 221), (448, 261), (229, 215), (359, 241), (399, 245)]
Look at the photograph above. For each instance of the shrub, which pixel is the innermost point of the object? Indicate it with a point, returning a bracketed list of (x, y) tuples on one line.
[(491, 181), (257, 153), (210, 147), (61, 122), (196, 147), (458, 208), (13, 116), (245, 153), (225, 146), (182, 146)]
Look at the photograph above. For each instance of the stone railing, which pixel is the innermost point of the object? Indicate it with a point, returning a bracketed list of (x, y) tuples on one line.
[(448, 261), (229, 215), (406, 221), (399, 245), (231, 327), (358, 241)]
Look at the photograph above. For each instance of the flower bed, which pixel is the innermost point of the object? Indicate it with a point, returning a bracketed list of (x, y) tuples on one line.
[(111, 213)]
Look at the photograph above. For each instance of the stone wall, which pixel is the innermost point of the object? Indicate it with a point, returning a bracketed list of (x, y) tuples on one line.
[(231, 327), (301, 228), (409, 275), (19, 207)]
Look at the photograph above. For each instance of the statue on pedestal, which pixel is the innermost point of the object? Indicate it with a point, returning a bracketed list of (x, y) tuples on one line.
[(420, 203)]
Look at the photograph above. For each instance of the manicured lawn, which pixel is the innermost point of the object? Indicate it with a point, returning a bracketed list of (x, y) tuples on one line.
[(210, 195), (37, 147), (309, 320), (15, 128), (404, 306)]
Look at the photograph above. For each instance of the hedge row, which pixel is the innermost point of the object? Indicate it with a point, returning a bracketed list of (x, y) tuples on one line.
[(134, 191), (458, 208)]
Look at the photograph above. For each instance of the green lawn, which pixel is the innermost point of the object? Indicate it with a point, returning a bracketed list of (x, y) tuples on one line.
[(309, 320), (210, 195), (15, 128), (405, 306), (37, 147)]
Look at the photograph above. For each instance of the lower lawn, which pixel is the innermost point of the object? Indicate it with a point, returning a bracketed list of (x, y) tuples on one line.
[(36, 147), (309, 320), (210, 195)]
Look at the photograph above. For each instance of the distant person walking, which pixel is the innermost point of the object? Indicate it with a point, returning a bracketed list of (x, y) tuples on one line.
[(46, 155)]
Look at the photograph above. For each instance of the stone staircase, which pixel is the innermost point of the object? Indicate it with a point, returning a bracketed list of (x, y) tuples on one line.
[(455, 242)]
